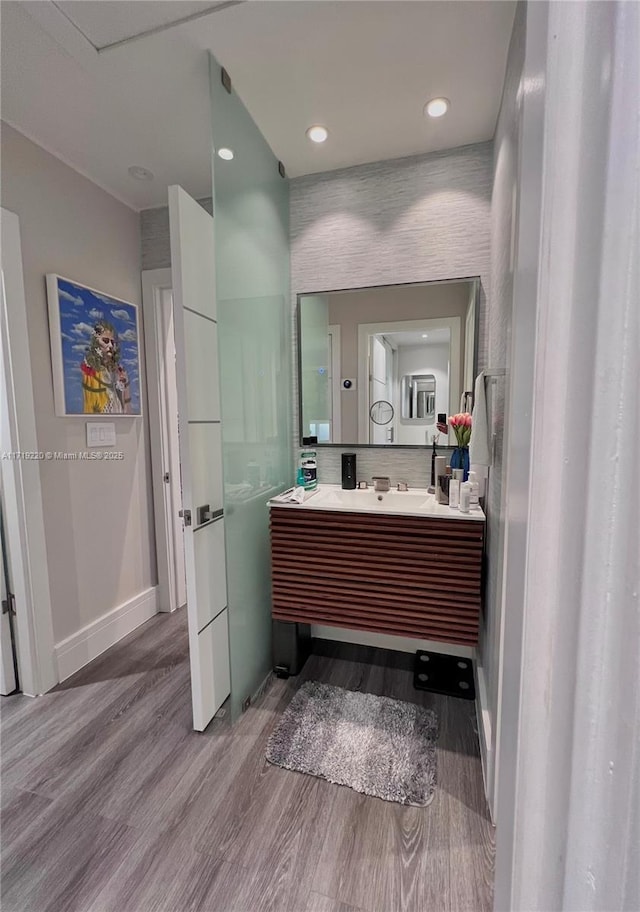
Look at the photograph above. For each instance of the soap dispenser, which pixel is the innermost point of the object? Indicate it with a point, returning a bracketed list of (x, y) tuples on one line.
[(474, 490), (348, 471)]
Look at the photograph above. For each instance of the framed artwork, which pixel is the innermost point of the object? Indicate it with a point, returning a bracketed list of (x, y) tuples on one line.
[(94, 351)]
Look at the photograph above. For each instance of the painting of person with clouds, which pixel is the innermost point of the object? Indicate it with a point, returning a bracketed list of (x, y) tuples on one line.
[(94, 345), (105, 383)]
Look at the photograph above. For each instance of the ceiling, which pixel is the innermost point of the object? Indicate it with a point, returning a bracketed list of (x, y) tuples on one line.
[(104, 24), (364, 69), (416, 337)]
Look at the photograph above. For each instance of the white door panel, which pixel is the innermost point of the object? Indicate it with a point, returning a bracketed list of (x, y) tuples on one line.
[(211, 580), (205, 444), (198, 264), (192, 258), (201, 339), (213, 660)]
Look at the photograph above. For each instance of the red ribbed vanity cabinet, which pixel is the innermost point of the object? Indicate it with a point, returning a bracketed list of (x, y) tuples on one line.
[(409, 576)]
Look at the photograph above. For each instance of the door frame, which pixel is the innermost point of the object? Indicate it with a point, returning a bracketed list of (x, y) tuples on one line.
[(9, 677), (154, 282), (569, 720), (22, 491)]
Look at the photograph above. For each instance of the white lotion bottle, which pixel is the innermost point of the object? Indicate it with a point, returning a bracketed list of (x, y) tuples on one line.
[(454, 493), (475, 490), (465, 497)]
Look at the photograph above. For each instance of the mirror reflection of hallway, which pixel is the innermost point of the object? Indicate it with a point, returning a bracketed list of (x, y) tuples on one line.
[(385, 334)]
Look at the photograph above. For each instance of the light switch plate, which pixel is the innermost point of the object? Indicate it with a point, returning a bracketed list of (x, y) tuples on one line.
[(100, 434)]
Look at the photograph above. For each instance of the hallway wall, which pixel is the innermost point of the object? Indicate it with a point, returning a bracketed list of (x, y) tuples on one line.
[(98, 515)]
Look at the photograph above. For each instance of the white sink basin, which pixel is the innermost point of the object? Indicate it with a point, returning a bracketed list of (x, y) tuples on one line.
[(416, 502), (391, 501)]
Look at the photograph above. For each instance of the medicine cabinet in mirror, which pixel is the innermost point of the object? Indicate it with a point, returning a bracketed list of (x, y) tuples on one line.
[(385, 365)]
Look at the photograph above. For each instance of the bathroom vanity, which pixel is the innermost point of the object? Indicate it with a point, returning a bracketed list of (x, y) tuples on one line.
[(396, 563)]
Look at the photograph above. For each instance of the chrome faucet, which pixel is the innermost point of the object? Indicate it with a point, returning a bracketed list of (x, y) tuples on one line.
[(381, 482)]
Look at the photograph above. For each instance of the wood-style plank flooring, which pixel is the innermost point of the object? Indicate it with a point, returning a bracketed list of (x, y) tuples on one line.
[(111, 803)]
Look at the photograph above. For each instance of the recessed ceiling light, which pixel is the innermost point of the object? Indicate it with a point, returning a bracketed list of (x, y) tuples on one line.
[(226, 154), (141, 174), (425, 336), (317, 134), (436, 107)]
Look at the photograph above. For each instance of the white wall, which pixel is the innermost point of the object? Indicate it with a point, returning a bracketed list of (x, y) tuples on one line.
[(98, 515)]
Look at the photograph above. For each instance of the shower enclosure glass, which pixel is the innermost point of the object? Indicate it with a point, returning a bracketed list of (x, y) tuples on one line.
[(251, 220)]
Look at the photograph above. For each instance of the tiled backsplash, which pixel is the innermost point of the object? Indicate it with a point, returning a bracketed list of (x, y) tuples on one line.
[(410, 465)]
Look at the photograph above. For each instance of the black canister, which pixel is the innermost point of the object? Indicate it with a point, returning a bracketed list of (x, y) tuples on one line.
[(349, 471)]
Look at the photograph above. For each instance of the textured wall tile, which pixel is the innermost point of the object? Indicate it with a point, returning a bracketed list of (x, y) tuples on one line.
[(410, 465), (154, 229)]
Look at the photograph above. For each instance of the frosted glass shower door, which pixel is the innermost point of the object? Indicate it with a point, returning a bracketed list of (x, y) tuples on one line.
[(251, 222)]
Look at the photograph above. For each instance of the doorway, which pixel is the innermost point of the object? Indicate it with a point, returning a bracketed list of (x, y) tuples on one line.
[(157, 304), (28, 574)]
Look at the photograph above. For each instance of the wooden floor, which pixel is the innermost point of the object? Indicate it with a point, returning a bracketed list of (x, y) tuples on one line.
[(110, 803)]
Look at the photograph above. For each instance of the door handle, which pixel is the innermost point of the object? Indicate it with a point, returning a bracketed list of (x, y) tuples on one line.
[(205, 514)]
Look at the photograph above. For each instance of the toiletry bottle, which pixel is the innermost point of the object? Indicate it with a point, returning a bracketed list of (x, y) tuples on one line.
[(309, 464), (475, 488), (465, 497), (440, 470), (454, 493), (442, 488)]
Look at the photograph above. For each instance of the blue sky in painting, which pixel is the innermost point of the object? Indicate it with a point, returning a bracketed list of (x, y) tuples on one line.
[(80, 309)]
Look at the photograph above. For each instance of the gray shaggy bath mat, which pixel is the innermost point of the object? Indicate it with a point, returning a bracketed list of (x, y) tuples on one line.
[(375, 745)]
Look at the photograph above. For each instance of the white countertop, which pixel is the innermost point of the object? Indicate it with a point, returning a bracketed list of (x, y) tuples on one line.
[(414, 502)]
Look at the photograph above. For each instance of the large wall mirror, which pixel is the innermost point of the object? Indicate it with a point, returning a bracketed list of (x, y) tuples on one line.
[(382, 366)]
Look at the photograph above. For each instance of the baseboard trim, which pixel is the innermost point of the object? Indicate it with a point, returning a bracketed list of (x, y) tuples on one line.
[(484, 732), (87, 644), (262, 688)]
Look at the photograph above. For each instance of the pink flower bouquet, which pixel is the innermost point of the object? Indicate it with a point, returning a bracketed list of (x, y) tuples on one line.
[(461, 425)]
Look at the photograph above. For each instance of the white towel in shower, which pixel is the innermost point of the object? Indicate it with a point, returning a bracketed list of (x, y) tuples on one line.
[(479, 449)]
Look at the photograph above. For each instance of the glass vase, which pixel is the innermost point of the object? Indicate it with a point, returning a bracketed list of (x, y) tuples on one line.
[(460, 460)]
